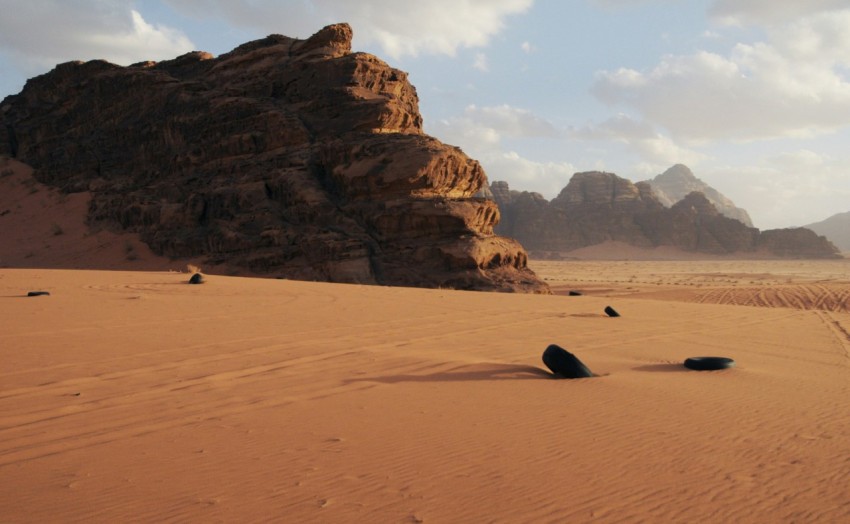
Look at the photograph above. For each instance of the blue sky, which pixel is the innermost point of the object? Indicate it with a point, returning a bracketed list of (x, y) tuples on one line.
[(753, 95)]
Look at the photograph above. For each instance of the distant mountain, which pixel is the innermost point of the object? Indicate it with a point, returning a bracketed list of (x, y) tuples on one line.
[(677, 182), (598, 207), (836, 228)]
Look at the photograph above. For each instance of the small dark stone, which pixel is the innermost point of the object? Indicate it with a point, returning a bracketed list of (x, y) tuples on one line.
[(38, 293), (197, 278), (564, 364), (575, 293), (611, 312)]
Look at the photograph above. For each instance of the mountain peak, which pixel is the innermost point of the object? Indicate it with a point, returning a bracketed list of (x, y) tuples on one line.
[(678, 181)]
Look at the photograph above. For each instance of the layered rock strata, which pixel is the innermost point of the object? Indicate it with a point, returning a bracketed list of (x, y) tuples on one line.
[(597, 207), (285, 157)]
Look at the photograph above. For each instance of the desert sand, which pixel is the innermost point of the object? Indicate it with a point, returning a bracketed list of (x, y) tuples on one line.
[(133, 396)]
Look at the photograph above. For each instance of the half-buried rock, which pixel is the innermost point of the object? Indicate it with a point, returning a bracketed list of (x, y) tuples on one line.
[(564, 364), (611, 312), (575, 293), (38, 294), (197, 278)]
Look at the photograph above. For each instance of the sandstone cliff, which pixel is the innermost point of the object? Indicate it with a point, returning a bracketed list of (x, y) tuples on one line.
[(286, 157), (598, 207), (674, 184)]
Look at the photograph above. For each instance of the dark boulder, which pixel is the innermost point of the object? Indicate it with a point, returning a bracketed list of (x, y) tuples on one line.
[(564, 364)]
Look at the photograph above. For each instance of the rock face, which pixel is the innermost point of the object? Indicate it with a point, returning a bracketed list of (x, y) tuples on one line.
[(286, 157), (836, 228), (597, 207), (674, 184)]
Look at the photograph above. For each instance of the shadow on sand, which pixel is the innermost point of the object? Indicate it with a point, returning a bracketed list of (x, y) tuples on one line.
[(661, 368), (469, 372)]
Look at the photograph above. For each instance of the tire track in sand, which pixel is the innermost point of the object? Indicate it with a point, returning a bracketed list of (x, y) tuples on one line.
[(841, 334)]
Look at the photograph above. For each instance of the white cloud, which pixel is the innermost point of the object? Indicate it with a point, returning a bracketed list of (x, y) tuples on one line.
[(655, 150), (38, 35), (785, 190), (744, 12), (481, 133), (794, 84), (510, 121), (399, 28), (523, 174), (527, 47)]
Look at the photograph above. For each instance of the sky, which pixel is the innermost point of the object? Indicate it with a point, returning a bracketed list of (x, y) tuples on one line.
[(752, 95)]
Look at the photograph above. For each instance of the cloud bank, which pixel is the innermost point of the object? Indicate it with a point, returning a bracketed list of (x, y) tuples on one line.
[(483, 132), (795, 83), (399, 28), (41, 34)]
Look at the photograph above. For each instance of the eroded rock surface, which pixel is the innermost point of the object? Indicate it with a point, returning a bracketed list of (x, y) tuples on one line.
[(286, 157), (597, 207)]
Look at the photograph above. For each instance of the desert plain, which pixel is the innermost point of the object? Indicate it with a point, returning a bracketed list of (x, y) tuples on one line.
[(128, 395), (131, 396)]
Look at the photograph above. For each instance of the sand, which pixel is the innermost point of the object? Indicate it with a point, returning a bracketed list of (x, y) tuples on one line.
[(133, 396), (43, 227)]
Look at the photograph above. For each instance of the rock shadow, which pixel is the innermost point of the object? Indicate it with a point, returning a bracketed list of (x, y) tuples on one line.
[(466, 373), (661, 368)]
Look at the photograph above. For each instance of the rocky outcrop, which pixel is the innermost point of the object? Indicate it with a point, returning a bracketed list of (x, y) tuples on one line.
[(836, 228), (599, 207), (285, 157), (674, 184)]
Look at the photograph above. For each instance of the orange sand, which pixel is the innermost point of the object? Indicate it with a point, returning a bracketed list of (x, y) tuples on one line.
[(132, 396), (135, 397)]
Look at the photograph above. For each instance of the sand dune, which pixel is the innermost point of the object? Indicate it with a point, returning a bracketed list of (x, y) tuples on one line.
[(43, 227), (132, 396)]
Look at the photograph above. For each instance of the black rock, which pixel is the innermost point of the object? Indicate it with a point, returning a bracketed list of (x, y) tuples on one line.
[(38, 293), (575, 293), (611, 312), (197, 278), (564, 364), (709, 363)]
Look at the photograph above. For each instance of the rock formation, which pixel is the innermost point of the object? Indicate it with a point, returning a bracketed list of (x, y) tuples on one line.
[(598, 207), (285, 157), (836, 228), (674, 184)]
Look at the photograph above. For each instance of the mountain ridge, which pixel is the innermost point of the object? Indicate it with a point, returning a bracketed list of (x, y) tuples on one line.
[(597, 207)]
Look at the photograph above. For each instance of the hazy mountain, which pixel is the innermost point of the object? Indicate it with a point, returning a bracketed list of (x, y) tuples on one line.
[(836, 228), (597, 207), (677, 182)]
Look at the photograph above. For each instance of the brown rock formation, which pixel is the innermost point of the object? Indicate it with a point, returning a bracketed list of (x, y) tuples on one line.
[(598, 207), (286, 157)]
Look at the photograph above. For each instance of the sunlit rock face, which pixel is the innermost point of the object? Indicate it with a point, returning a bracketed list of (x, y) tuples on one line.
[(286, 157)]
